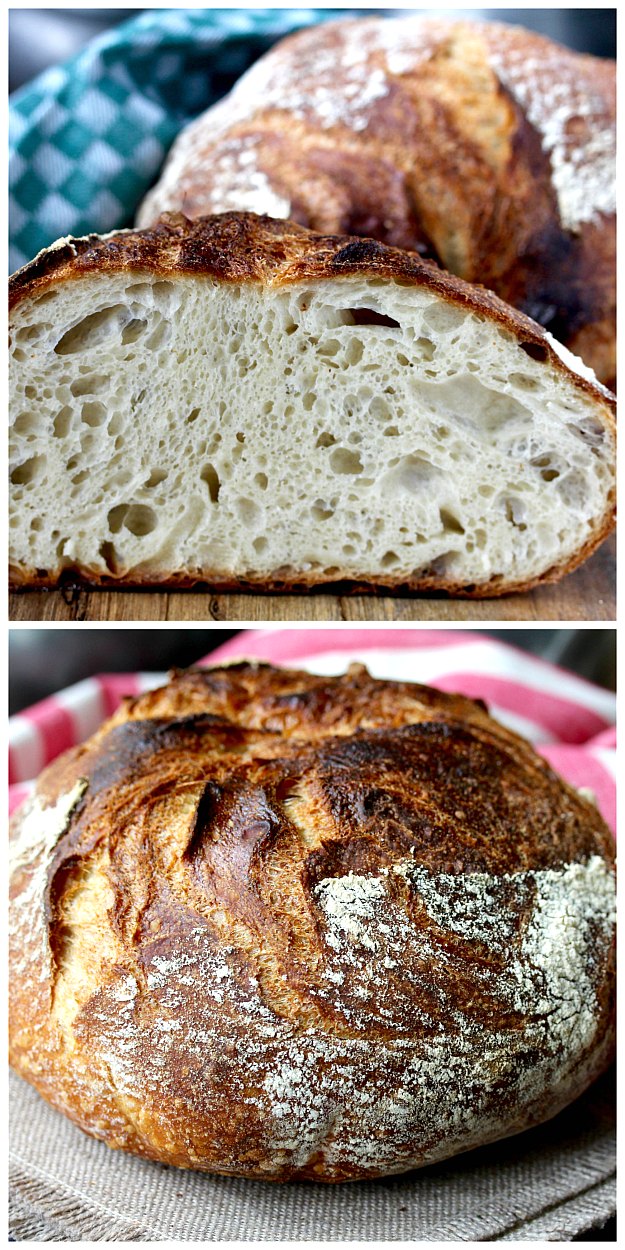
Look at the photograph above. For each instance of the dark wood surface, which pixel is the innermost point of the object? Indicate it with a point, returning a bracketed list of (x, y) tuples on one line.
[(589, 594)]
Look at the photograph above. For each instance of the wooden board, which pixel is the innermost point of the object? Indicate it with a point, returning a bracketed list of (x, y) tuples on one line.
[(589, 594)]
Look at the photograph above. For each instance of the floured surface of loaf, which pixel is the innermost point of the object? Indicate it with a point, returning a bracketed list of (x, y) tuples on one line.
[(244, 402), (284, 926)]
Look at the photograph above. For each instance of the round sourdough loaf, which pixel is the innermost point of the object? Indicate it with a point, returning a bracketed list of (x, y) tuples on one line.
[(482, 145), (283, 926)]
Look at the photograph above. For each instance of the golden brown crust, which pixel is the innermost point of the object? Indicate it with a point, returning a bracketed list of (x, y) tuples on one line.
[(227, 953), (457, 139)]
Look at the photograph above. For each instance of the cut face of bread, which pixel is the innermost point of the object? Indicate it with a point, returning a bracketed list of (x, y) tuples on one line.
[(240, 401)]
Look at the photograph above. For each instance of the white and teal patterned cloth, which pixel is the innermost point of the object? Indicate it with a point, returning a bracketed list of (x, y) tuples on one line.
[(88, 138)]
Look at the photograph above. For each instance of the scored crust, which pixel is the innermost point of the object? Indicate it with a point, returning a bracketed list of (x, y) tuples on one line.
[(284, 926), (240, 248)]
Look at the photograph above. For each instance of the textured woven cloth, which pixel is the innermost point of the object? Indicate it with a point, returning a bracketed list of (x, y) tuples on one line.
[(546, 1185), (88, 138)]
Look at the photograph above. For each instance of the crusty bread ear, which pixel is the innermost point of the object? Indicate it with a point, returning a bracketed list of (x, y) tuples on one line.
[(241, 401)]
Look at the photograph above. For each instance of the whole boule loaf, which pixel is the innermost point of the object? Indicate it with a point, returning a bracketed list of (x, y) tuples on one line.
[(283, 926)]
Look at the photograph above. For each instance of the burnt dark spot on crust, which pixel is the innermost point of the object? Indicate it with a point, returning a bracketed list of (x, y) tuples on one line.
[(194, 724), (129, 749), (361, 252)]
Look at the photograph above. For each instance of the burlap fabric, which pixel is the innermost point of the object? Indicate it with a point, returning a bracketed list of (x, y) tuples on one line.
[(547, 1185)]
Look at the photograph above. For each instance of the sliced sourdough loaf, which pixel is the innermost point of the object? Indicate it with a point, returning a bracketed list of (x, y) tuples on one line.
[(240, 401)]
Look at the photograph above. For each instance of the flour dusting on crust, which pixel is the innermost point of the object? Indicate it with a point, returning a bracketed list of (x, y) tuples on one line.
[(348, 904), (40, 830), (569, 119), (239, 184), (366, 1098)]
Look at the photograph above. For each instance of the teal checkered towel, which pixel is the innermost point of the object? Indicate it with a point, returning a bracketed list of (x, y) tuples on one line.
[(88, 138)]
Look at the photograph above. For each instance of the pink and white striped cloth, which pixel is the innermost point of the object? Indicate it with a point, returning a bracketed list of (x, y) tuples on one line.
[(569, 720)]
